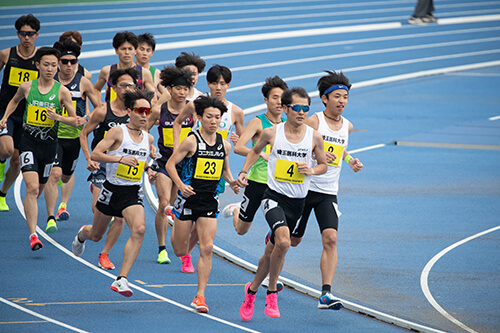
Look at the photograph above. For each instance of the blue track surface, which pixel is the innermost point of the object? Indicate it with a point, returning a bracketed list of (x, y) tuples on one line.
[(407, 205)]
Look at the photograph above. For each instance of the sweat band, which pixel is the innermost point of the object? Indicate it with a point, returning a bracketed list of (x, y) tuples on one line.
[(335, 87), (348, 158), (181, 81)]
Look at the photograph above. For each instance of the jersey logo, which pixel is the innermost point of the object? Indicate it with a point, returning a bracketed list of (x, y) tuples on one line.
[(220, 147), (52, 97), (73, 86)]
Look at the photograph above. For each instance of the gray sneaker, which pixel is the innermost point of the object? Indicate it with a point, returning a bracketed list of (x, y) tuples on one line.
[(417, 21), (78, 247)]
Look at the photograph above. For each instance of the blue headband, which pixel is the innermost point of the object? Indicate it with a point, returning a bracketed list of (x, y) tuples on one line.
[(335, 87)]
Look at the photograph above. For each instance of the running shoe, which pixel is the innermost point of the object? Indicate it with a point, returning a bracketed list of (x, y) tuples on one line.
[(62, 214), (168, 212), (429, 18), (229, 209), (51, 226), (35, 243), (78, 247), (187, 265), (3, 205), (163, 257), (199, 304), (271, 309), (91, 188), (104, 262), (121, 287), (246, 309), (60, 183), (2, 170), (279, 285), (328, 302)]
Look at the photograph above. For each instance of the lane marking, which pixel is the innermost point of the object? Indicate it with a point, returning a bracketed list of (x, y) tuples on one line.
[(469, 19), (40, 232), (446, 145), (33, 313), (494, 118), (95, 302), (24, 322), (425, 277)]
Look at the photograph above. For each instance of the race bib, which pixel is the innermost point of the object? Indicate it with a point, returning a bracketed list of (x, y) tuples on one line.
[(287, 171), (223, 133), (112, 94), (65, 112), (168, 136), (129, 172), (337, 150), (208, 169), (20, 75), (37, 116)]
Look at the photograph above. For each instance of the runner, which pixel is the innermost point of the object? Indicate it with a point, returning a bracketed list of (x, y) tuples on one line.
[(145, 50), (45, 98), (322, 196), (19, 62), (204, 157), (289, 172), (196, 65), (68, 143), (104, 118), (178, 82), (125, 150)]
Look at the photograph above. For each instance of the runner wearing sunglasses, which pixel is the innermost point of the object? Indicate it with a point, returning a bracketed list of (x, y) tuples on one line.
[(125, 150), (178, 83), (68, 143), (102, 119), (290, 167), (19, 62)]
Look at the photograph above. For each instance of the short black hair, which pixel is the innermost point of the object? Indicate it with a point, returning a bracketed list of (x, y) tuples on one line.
[(44, 51), (271, 83), (203, 102), (172, 76), (185, 59), (27, 20), (286, 98), (132, 96), (148, 39), (217, 71), (123, 37), (120, 72), (332, 79), (72, 34), (68, 47)]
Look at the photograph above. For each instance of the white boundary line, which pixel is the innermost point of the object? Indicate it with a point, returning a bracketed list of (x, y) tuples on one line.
[(425, 277), (494, 118), (33, 313), (19, 203)]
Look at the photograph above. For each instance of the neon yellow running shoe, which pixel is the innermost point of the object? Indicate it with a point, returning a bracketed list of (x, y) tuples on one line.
[(3, 205), (2, 170), (51, 226), (163, 257)]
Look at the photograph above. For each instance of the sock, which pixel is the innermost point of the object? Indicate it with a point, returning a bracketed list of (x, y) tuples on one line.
[(271, 292), (118, 278), (161, 248), (51, 217), (326, 289), (33, 234), (2, 194), (250, 291), (2, 161)]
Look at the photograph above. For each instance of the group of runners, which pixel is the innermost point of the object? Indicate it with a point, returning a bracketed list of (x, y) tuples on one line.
[(292, 168)]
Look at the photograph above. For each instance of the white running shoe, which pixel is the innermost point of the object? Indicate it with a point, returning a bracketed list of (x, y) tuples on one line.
[(78, 247), (121, 287), (229, 209), (279, 285)]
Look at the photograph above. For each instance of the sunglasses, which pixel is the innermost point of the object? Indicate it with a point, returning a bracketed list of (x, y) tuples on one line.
[(27, 33), (126, 84), (142, 110), (298, 107), (66, 61)]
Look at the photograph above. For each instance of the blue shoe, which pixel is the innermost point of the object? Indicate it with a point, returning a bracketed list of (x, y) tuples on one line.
[(328, 302)]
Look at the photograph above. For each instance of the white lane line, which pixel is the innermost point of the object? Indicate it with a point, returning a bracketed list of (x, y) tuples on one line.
[(425, 277), (255, 37), (33, 313), (469, 19), (20, 207), (494, 118)]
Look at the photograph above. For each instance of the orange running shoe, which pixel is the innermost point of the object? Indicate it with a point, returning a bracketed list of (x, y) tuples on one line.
[(199, 304), (104, 262)]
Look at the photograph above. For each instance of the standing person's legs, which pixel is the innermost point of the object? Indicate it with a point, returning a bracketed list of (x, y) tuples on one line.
[(422, 8)]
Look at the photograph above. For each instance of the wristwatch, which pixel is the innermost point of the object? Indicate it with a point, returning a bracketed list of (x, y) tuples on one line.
[(87, 117)]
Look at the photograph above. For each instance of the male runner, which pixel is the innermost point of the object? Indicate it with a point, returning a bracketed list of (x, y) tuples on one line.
[(178, 82), (19, 62), (290, 167), (68, 143), (145, 50), (125, 44), (125, 150), (102, 119), (196, 65), (45, 98), (204, 157), (322, 196)]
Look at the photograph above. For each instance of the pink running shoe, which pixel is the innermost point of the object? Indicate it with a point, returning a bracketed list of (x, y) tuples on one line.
[(187, 265), (246, 309), (272, 306)]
